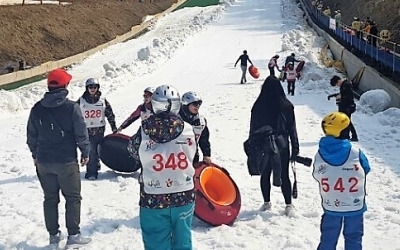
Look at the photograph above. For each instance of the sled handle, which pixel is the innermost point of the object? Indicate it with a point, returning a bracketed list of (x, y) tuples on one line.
[(210, 205)]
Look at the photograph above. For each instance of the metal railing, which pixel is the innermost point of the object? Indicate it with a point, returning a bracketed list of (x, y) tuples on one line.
[(383, 57)]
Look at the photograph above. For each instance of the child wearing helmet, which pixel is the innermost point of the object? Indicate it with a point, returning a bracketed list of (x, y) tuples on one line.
[(95, 108), (191, 102), (166, 150), (143, 111), (291, 75), (340, 171)]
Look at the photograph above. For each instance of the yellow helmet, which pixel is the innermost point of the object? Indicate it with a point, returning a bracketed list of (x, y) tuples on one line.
[(334, 123)]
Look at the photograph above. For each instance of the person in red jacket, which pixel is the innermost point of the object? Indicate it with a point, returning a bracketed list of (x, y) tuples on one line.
[(143, 111)]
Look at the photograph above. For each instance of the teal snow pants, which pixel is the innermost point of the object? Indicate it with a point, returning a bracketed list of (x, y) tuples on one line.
[(167, 228)]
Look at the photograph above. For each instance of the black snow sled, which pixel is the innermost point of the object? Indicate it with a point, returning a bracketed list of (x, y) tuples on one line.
[(114, 154)]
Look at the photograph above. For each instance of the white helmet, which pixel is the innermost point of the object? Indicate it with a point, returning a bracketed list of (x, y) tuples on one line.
[(166, 98), (190, 97), (92, 81), (149, 89)]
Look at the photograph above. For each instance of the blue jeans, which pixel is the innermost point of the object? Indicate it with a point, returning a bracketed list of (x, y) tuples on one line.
[(167, 228), (92, 167), (330, 230)]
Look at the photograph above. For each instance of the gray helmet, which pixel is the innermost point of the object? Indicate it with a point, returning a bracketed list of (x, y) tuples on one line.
[(190, 97), (166, 99), (149, 89), (92, 81)]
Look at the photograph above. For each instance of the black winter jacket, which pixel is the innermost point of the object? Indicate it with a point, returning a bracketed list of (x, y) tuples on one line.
[(194, 120), (243, 60), (56, 128), (346, 100), (284, 123), (291, 59)]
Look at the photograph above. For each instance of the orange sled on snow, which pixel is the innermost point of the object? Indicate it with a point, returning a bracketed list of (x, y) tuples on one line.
[(254, 72), (218, 198)]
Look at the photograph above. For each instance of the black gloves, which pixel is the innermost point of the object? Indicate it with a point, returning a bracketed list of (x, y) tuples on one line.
[(295, 153), (113, 127)]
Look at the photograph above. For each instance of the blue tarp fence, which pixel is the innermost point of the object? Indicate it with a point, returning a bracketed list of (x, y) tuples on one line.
[(384, 57)]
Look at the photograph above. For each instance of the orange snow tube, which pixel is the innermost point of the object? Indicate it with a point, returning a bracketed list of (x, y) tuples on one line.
[(218, 198), (299, 68), (254, 72)]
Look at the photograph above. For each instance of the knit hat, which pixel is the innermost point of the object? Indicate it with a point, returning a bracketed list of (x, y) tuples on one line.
[(58, 78)]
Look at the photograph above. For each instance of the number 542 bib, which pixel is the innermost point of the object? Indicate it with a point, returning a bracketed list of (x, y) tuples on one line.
[(342, 188)]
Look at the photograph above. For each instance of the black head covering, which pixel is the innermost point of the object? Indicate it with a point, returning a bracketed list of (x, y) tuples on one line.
[(269, 104)]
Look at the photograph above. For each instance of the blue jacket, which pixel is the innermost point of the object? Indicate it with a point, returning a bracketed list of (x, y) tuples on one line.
[(56, 128), (335, 152)]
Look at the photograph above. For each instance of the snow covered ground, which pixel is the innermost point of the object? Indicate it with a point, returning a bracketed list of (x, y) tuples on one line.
[(195, 49)]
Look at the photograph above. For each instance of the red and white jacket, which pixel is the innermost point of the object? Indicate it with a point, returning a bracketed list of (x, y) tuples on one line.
[(291, 75)]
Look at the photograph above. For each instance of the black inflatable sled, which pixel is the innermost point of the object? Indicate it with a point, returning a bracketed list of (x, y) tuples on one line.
[(115, 155), (218, 198)]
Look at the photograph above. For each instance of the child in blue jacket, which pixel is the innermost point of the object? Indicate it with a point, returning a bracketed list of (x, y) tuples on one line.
[(341, 173)]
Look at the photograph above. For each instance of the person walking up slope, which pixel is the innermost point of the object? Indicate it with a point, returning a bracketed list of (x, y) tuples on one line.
[(340, 170), (291, 59), (55, 129), (272, 108), (95, 108), (243, 65), (291, 75), (166, 151)]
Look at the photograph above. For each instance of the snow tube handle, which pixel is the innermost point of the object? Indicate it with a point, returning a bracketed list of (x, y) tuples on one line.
[(210, 205), (225, 171)]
